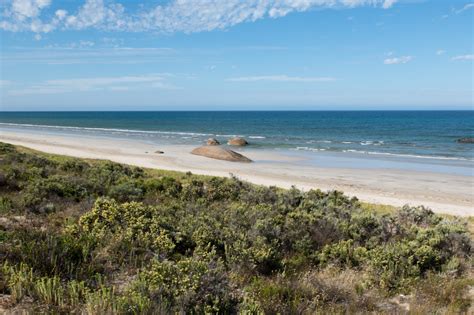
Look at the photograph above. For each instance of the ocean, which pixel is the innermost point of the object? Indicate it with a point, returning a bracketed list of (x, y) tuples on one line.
[(404, 134)]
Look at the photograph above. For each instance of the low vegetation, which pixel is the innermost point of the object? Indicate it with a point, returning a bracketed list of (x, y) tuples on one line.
[(82, 236)]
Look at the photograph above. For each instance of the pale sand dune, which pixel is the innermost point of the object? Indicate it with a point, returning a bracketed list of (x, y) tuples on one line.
[(443, 193)]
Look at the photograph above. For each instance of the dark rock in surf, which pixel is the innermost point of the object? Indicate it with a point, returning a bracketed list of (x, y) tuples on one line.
[(237, 141), (212, 141), (219, 153), (465, 140)]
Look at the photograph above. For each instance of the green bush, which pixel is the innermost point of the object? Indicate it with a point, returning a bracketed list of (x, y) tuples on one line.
[(6, 204), (73, 165), (66, 186), (398, 265), (127, 191), (140, 225), (6, 148), (343, 254), (167, 185), (195, 284), (106, 238)]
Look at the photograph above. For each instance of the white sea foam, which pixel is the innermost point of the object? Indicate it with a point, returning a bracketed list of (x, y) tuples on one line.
[(371, 143), (309, 149), (409, 155), (387, 154), (225, 135), (112, 130), (230, 136), (421, 156)]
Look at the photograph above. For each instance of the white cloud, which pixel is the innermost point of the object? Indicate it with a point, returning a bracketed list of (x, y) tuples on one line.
[(466, 7), (78, 44), (440, 52), (455, 11), (28, 8), (4, 83), (280, 78), (95, 14), (398, 60), (175, 16), (122, 83), (193, 16), (25, 15), (61, 14), (388, 3), (85, 52), (463, 57)]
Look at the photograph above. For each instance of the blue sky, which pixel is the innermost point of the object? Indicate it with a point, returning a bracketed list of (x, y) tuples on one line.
[(236, 54)]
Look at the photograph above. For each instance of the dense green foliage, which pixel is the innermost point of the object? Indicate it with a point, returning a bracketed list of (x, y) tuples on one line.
[(100, 237)]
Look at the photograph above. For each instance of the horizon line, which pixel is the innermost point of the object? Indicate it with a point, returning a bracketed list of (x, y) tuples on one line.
[(241, 110)]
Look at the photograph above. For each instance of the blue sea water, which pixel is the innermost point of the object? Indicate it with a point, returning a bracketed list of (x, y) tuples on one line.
[(411, 134)]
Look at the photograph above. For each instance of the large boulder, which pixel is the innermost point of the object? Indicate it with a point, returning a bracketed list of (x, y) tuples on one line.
[(237, 141), (220, 153), (466, 140), (212, 141)]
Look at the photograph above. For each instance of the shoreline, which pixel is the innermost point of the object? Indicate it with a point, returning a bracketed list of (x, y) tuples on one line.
[(363, 149), (443, 193)]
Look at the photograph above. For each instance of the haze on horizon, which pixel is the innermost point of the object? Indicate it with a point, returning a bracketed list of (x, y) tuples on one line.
[(236, 55)]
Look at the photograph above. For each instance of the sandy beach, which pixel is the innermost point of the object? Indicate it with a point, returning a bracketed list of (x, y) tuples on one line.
[(444, 193)]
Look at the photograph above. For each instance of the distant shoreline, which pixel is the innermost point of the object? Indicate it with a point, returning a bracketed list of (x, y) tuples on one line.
[(239, 110), (444, 193), (436, 164)]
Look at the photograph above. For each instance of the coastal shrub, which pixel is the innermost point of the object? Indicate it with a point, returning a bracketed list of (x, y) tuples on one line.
[(194, 191), (398, 265), (18, 280), (255, 255), (68, 296), (308, 231), (364, 229), (326, 292), (82, 236), (169, 186), (66, 255), (66, 186), (73, 165), (280, 296), (343, 254), (419, 216), (140, 225), (196, 284), (6, 148), (127, 191), (448, 294), (40, 162), (6, 204), (223, 189), (33, 195), (108, 173)]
